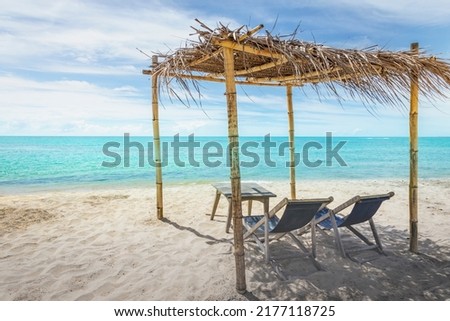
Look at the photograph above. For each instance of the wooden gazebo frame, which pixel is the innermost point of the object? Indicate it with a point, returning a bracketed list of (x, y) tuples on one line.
[(240, 57)]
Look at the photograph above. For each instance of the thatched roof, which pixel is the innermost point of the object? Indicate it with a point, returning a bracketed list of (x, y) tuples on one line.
[(373, 75)]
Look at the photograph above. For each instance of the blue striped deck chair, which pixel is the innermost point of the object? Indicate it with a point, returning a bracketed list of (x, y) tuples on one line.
[(364, 208), (297, 215)]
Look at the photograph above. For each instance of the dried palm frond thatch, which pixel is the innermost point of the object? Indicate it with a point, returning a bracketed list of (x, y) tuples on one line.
[(372, 75)]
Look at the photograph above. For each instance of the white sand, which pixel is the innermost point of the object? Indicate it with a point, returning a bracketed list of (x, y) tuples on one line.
[(108, 245)]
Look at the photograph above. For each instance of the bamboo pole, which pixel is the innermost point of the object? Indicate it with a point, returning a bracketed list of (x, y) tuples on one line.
[(157, 143), (414, 153), (233, 139), (218, 78), (230, 44), (219, 51), (250, 32), (252, 81), (303, 76), (290, 109), (206, 58), (269, 65)]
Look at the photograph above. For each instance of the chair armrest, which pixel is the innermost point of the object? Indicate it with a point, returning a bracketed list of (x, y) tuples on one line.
[(254, 227), (278, 207), (346, 204), (388, 196), (326, 202), (267, 216), (332, 212)]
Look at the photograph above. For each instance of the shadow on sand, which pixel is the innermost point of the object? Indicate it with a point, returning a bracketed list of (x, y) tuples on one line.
[(400, 275)]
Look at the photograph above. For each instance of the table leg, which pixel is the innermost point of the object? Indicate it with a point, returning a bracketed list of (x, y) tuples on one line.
[(250, 203), (313, 237), (266, 205), (266, 230), (230, 215), (216, 202)]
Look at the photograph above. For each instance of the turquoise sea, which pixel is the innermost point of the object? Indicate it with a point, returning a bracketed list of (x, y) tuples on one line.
[(46, 163)]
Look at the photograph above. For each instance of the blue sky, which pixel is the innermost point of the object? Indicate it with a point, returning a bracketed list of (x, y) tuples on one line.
[(72, 68)]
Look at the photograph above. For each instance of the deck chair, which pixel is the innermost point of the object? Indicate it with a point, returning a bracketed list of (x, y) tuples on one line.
[(297, 215), (364, 208)]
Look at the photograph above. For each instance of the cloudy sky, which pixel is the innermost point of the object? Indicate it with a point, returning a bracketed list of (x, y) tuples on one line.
[(71, 67)]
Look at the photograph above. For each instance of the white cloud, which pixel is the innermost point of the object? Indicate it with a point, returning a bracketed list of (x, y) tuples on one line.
[(75, 36), (67, 105), (71, 67), (71, 107)]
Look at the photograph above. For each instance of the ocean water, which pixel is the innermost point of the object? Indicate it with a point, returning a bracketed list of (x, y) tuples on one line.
[(45, 163)]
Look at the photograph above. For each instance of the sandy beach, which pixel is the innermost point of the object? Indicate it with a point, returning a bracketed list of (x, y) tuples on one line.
[(108, 245)]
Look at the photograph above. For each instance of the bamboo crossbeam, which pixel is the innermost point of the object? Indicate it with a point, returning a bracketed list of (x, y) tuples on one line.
[(220, 50), (304, 76), (302, 82), (205, 58), (251, 32), (414, 153), (312, 77), (214, 79), (255, 81), (246, 48), (260, 67), (217, 52)]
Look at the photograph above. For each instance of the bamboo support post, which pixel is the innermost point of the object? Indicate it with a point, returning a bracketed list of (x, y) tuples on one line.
[(233, 138), (157, 143), (290, 109), (414, 153)]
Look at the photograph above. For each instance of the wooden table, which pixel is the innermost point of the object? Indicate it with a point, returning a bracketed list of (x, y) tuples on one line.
[(249, 192)]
